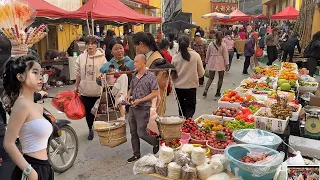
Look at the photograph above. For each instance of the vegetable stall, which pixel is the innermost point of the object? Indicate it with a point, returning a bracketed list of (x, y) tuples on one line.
[(241, 139)]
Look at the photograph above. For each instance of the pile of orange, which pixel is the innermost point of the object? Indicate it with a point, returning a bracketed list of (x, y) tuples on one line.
[(232, 97), (288, 75), (289, 66), (270, 72)]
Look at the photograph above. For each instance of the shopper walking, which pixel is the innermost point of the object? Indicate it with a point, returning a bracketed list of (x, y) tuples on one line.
[(88, 65), (201, 48), (217, 60), (312, 53), (189, 68), (289, 46), (272, 41), (143, 88), (230, 45), (249, 51), (174, 47), (21, 79), (164, 47)]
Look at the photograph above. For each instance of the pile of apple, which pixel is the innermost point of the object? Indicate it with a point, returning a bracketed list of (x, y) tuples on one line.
[(232, 97), (226, 111), (203, 135), (222, 140), (190, 126)]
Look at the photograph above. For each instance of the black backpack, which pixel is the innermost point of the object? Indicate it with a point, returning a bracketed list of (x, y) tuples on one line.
[(307, 50)]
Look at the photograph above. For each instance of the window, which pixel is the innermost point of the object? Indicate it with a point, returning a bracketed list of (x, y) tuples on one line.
[(274, 9), (287, 3), (294, 3)]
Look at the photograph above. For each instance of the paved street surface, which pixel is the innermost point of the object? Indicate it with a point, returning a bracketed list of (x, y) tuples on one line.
[(96, 162)]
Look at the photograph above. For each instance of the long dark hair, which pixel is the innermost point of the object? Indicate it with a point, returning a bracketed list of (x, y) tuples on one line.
[(163, 43), (316, 36), (184, 42), (109, 37), (171, 37), (11, 83), (219, 38), (145, 38)]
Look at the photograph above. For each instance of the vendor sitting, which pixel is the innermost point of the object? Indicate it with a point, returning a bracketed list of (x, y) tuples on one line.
[(119, 58)]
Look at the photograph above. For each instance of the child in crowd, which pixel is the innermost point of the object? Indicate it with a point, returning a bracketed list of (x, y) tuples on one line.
[(120, 91), (111, 78)]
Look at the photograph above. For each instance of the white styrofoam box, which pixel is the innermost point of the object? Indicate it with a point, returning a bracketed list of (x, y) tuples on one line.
[(241, 89), (306, 88), (307, 147), (295, 115), (220, 119), (270, 124), (260, 97), (243, 81), (227, 104)]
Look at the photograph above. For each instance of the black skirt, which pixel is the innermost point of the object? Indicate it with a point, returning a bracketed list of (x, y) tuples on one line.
[(42, 167)]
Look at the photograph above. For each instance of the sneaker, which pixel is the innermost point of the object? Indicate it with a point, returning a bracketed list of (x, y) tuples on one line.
[(218, 94), (205, 94), (91, 135), (246, 74), (132, 159)]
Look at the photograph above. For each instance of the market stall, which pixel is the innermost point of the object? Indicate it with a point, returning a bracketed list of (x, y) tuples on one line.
[(255, 117)]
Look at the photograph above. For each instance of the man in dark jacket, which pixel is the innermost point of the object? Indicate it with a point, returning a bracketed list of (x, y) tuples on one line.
[(313, 54), (289, 46)]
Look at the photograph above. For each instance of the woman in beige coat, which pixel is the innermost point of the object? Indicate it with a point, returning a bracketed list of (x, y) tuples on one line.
[(88, 65)]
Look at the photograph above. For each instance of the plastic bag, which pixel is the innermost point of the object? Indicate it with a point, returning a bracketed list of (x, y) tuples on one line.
[(166, 154), (256, 136), (95, 107), (267, 165), (59, 100), (174, 170), (181, 158), (198, 156), (259, 52), (75, 110), (146, 164), (188, 173), (204, 171), (220, 176), (162, 169)]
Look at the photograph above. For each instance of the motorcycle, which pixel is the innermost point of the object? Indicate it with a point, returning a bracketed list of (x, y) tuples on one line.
[(63, 144)]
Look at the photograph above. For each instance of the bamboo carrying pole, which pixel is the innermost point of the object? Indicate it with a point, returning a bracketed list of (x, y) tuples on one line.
[(131, 72)]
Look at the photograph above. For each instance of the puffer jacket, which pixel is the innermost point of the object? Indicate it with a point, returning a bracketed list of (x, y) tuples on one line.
[(249, 47)]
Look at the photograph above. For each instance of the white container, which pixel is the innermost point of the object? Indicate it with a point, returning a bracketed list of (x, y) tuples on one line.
[(242, 91), (307, 88), (227, 104), (220, 119), (270, 124), (295, 115), (307, 147)]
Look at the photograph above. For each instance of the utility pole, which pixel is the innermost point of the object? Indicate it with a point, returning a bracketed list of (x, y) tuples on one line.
[(244, 1)]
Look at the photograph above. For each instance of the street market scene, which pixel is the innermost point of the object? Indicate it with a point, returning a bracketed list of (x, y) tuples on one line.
[(159, 89)]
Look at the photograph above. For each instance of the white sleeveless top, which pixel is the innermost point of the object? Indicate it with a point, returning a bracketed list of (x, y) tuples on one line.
[(34, 135)]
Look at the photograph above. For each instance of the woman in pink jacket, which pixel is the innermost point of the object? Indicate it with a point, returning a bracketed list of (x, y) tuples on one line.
[(217, 59), (230, 45)]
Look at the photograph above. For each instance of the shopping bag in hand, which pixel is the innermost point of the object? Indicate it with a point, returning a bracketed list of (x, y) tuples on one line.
[(259, 52), (61, 100), (75, 110)]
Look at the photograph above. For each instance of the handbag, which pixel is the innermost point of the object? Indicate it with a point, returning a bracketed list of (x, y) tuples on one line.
[(126, 47)]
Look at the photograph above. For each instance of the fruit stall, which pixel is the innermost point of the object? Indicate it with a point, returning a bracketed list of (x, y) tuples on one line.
[(246, 137)]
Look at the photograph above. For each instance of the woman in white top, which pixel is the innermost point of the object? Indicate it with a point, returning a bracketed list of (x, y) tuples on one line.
[(21, 78), (174, 46)]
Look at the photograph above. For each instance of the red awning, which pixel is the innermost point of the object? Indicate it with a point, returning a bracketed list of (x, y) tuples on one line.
[(260, 16), (47, 10), (289, 13), (111, 10), (237, 15)]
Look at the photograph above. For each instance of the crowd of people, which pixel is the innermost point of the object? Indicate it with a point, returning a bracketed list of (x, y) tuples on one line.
[(145, 90), (307, 173)]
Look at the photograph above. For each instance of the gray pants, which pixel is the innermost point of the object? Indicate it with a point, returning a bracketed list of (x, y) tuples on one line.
[(138, 121)]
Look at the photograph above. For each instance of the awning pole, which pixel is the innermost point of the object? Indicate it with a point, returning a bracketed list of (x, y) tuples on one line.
[(92, 26), (88, 27)]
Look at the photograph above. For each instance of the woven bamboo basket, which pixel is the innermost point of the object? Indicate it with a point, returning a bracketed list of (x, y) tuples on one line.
[(111, 136), (239, 45), (169, 130)]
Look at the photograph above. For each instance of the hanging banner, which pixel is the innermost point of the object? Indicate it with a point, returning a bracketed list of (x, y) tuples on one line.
[(225, 8)]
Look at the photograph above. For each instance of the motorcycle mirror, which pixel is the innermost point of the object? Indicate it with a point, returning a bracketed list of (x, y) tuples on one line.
[(45, 78)]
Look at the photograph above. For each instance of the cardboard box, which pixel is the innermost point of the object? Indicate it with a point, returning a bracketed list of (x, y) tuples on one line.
[(315, 100)]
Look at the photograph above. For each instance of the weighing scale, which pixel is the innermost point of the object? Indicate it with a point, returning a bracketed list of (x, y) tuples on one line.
[(312, 124)]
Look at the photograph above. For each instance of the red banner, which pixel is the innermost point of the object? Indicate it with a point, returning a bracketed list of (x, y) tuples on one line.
[(142, 1), (225, 8)]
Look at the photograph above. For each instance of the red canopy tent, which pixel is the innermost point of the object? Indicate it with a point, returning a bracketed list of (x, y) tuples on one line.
[(111, 10), (289, 13), (260, 16), (47, 10), (237, 15)]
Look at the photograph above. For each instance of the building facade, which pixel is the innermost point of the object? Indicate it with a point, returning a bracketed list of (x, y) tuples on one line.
[(271, 7), (250, 6)]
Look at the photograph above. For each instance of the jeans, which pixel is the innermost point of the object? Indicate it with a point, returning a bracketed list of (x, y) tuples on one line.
[(88, 103), (231, 54), (246, 64), (272, 54), (7, 165), (188, 100), (211, 77), (285, 55), (201, 80), (138, 119)]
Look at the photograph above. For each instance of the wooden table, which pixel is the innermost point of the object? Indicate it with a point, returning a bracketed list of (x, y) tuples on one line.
[(166, 178)]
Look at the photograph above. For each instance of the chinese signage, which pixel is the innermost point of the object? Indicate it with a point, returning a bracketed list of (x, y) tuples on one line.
[(142, 1), (225, 8)]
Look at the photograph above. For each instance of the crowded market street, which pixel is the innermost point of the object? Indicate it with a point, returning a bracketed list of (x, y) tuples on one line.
[(92, 156)]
